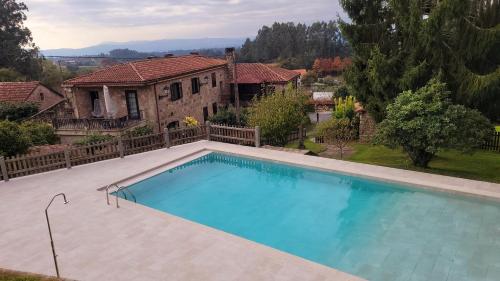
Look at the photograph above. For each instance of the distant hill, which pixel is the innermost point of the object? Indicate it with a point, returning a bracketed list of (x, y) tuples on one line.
[(164, 45)]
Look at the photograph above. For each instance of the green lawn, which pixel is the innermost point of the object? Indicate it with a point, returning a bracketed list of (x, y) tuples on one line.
[(482, 165), (312, 146), (497, 128), (6, 275)]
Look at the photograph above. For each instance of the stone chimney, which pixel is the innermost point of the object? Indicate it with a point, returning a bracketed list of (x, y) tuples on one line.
[(231, 62)]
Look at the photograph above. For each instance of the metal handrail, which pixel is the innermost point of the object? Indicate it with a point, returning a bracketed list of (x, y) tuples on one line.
[(119, 189), (107, 191)]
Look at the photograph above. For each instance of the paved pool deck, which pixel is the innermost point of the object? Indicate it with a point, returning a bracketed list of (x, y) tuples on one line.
[(95, 241)]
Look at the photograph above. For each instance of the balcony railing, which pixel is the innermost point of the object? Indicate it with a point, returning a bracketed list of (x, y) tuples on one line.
[(96, 124)]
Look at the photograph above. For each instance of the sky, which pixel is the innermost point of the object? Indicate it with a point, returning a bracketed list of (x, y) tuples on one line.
[(82, 23)]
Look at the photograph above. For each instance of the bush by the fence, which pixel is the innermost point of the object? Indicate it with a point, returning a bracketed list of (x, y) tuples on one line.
[(278, 114), (12, 139), (140, 131), (39, 133), (228, 116), (93, 139)]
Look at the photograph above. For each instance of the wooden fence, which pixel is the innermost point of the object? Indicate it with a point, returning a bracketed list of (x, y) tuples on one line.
[(187, 135), (493, 144), (234, 134), (29, 164)]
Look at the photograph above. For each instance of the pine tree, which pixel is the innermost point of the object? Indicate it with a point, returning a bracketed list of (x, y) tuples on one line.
[(400, 45)]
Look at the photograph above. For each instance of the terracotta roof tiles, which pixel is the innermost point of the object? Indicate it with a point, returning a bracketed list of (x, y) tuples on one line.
[(144, 71), (257, 73), (16, 91)]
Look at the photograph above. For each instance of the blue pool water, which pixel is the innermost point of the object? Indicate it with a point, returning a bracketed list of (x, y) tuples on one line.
[(375, 230)]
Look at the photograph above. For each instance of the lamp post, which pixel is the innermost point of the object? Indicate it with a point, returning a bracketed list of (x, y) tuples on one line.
[(50, 231)]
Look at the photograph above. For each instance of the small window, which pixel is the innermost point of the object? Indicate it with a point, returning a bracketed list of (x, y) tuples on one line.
[(173, 125), (214, 80), (214, 108), (42, 97), (195, 85), (175, 91)]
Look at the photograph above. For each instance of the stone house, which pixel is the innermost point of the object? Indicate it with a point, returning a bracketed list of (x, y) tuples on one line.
[(156, 91), (33, 91), (257, 79)]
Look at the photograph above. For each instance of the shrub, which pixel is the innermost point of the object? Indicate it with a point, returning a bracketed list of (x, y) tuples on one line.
[(12, 139), (93, 139), (338, 132), (190, 121), (278, 114), (17, 111), (228, 116), (140, 131), (342, 92), (344, 108), (425, 121), (39, 133)]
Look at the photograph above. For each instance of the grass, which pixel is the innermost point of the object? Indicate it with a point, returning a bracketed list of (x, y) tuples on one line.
[(7, 275), (315, 148), (482, 165), (497, 128)]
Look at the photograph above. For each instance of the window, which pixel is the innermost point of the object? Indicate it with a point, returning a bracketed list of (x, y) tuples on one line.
[(175, 91), (214, 80), (195, 85), (132, 105), (214, 108), (173, 125), (42, 97), (205, 114)]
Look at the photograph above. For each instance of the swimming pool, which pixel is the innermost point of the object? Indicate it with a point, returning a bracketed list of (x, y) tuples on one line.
[(376, 230)]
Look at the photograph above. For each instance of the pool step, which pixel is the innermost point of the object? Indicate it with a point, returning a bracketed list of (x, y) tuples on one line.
[(119, 189)]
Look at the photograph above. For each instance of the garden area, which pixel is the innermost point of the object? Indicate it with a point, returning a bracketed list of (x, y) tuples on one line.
[(422, 131)]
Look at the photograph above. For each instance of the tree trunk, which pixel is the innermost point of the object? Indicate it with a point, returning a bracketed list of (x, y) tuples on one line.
[(419, 157)]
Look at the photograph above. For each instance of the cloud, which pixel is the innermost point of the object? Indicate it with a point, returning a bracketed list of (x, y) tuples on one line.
[(78, 23)]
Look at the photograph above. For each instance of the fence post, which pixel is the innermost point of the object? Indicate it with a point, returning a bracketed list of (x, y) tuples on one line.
[(257, 136), (208, 130), (120, 147), (166, 136), (3, 167), (67, 158)]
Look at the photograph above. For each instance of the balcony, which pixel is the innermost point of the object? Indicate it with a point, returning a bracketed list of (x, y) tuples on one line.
[(94, 124)]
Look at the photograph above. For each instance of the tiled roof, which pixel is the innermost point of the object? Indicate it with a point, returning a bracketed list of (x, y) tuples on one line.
[(257, 73), (143, 71), (302, 71), (16, 91)]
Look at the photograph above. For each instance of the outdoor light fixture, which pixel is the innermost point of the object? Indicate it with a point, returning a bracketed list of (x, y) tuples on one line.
[(205, 81), (50, 231)]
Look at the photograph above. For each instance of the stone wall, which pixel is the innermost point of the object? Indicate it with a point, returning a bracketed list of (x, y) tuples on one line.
[(45, 97), (191, 104), (367, 127), (169, 111)]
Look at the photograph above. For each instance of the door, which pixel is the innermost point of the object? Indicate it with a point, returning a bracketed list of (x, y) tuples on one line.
[(205, 114), (132, 105)]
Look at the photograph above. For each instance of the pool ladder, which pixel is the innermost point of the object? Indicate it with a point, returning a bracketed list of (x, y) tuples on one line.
[(123, 190)]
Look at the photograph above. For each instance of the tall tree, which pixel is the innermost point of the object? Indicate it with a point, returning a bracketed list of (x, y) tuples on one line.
[(400, 45), (295, 45), (17, 50)]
